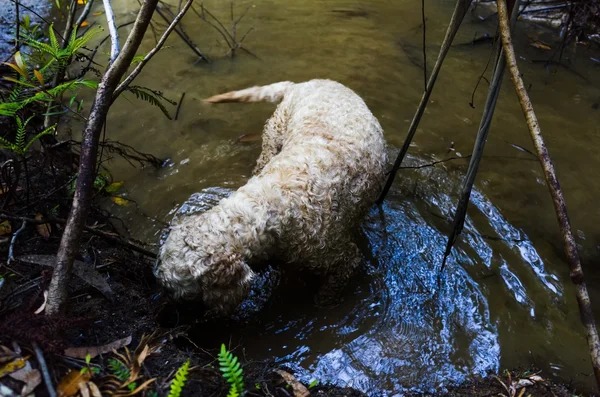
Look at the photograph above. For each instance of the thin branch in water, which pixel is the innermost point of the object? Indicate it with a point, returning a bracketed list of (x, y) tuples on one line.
[(424, 46), (11, 256), (84, 14), (560, 207), (152, 52), (481, 77), (183, 36), (179, 105), (458, 15), (44, 369), (115, 48)]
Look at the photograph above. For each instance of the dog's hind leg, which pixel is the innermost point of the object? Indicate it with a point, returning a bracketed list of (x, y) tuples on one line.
[(347, 260), (272, 138)]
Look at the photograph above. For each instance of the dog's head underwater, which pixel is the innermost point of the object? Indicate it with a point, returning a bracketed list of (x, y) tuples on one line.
[(190, 269)]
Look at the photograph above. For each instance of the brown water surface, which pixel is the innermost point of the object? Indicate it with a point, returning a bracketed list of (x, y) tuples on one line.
[(506, 299)]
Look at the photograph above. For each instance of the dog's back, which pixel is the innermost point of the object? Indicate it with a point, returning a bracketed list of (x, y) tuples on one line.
[(326, 162)]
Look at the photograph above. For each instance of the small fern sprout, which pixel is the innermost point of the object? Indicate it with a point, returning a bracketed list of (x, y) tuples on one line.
[(180, 380), (232, 372)]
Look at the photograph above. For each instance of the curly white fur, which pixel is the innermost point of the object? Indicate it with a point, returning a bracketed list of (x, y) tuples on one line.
[(322, 166)]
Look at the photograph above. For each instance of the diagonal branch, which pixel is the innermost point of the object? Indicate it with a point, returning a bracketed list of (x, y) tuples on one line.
[(112, 29), (458, 15), (152, 52), (576, 273)]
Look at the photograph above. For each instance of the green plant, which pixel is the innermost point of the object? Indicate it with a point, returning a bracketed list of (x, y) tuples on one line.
[(88, 366), (313, 383), (180, 380), (19, 146), (232, 372), (118, 369), (153, 97)]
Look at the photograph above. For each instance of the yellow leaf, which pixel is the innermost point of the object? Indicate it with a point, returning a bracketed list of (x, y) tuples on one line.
[(44, 229), (541, 46), (98, 13), (113, 187), (119, 200), (5, 228), (39, 76), (81, 1), (19, 60), (16, 68), (13, 366), (69, 384), (84, 24)]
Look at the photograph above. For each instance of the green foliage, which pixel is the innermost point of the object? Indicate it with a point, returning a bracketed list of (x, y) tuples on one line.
[(118, 369), (180, 380), (232, 372), (313, 383), (154, 98), (20, 146)]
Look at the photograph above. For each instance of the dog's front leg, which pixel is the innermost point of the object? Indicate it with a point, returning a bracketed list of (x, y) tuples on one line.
[(338, 275)]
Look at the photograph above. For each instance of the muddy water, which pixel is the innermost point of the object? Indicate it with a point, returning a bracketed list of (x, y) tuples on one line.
[(505, 299)]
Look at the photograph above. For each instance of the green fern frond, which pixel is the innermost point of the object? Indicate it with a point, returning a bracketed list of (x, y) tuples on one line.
[(53, 40), (77, 43), (232, 371), (47, 131), (9, 108), (120, 370), (152, 97), (180, 380)]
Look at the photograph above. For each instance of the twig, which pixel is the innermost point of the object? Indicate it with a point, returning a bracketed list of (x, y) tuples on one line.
[(183, 37), (179, 105), (424, 45), (576, 272), (484, 127), (18, 26), (84, 13), (152, 52), (115, 47), (44, 368), (11, 256), (458, 15), (88, 229)]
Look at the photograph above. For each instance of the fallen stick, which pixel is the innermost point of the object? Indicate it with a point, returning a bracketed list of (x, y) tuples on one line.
[(576, 272)]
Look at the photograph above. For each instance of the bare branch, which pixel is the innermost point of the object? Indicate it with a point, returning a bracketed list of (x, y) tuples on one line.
[(112, 29), (57, 291), (84, 13), (576, 271), (152, 52)]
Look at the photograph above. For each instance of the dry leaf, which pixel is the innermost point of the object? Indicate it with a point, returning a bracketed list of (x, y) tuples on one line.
[(44, 229), (98, 13), (119, 200), (94, 389), (5, 228), (84, 24), (41, 308), (39, 76), (83, 389), (250, 138), (82, 270), (31, 377), (298, 388), (540, 45), (69, 384), (13, 366), (93, 351)]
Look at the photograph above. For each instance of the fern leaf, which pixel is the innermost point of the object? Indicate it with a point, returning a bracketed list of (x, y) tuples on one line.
[(77, 43), (53, 40), (119, 369), (180, 380), (9, 108), (152, 97), (232, 371)]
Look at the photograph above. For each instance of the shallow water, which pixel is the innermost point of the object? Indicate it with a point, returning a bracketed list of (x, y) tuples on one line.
[(505, 299)]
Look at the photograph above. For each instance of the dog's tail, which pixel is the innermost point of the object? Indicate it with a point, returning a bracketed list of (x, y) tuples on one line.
[(273, 93)]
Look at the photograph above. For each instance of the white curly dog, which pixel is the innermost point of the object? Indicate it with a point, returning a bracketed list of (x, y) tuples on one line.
[(322, 166)]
